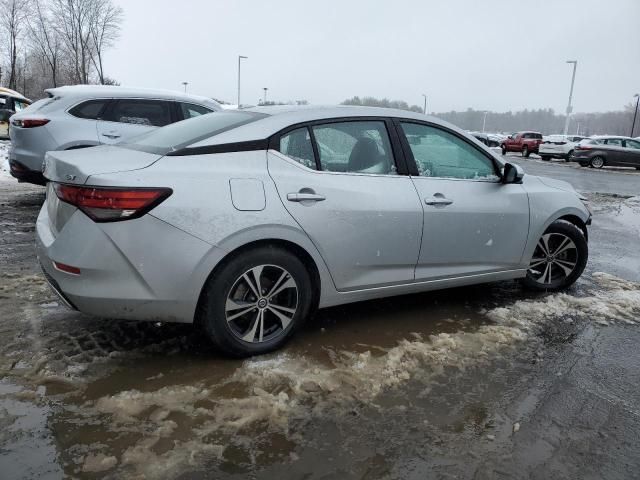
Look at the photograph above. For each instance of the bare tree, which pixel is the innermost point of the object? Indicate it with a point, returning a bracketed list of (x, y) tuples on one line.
[(104, 29), (12, 23), (45, 39)]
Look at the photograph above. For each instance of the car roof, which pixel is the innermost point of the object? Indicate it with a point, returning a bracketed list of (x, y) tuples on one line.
[(280, 117), (113, 91), (12, 93), (605, 137)]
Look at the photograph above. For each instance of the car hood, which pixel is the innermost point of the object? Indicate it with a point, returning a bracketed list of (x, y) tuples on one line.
[(553, 183), (76, 166)]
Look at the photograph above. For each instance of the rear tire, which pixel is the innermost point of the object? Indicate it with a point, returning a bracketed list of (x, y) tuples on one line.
[(504, 150), (597, 162), (256, 302), (568, 157), (558, 259), (525, 152)]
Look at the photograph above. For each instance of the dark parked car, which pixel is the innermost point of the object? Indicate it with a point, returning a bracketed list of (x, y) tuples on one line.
[(488, 140), (597, 152), (523, 142)]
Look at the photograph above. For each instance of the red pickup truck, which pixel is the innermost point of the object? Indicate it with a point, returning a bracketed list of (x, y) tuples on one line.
[(523, 142)]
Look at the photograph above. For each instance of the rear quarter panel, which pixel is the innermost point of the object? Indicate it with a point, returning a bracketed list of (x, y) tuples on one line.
[(202, 205)]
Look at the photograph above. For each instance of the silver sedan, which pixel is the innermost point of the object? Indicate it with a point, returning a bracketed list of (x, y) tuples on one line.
[(245, 222)]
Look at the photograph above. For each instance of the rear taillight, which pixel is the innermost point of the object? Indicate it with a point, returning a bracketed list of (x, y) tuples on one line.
[(111, 204), (30, 122), (582, 147)]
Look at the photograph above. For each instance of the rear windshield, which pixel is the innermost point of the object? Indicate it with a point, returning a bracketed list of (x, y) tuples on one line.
[(187, 132)]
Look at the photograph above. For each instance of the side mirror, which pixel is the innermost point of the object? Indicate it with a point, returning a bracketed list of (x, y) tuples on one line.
[(5, 114), (512, 173)]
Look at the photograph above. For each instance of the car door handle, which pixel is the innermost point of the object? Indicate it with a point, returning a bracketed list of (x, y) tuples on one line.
[(111, 135), (305, 197), (438, 200)]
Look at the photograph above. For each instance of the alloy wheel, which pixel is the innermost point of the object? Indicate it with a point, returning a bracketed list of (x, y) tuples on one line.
[(261, 303), (597, 162), (554, 259)]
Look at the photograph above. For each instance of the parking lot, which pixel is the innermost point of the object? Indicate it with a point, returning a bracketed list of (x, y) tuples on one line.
[(479, 382)]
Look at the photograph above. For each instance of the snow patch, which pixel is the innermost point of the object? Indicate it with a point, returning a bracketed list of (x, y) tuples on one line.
[(4, 162), (283, 393)]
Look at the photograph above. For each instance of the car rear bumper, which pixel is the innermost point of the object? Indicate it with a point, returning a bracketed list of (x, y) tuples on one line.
[(146, 270), (24, 174)]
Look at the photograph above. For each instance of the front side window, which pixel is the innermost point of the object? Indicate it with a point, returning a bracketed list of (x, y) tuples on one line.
[(152, 113), (297, 145), (189, 110), (90, 109), (355, 147), (441, 154)]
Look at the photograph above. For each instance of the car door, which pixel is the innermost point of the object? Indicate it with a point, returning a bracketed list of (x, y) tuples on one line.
[(632, 153), (130, 117), (340, 181), (473, 224), (614, 151)]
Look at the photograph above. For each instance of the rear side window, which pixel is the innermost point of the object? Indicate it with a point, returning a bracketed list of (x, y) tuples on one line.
[(297, 145), (90, 109), (19, 105), (633, 144), (189, 110), (152, 113), (357, 147), (616, 142)]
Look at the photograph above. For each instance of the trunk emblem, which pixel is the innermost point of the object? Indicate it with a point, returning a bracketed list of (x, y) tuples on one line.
[(70, 177)]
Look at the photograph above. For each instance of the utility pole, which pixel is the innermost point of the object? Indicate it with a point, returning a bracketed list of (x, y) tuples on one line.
[(240, 57), (264, 102), (569, 107), (425, 104), (185, 86), (484, 120), (635, 114)]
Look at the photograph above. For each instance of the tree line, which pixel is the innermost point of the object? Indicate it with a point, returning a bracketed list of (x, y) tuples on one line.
[(49, 43), (545, 121)]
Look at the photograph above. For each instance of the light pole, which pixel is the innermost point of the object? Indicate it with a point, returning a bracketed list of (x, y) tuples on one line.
[(569, 107), (484, 120), (425, 104), (185, 86), (264, 102), (240, 57), (635, 114)]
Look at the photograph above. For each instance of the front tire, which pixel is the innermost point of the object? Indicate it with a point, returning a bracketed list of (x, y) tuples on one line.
[(504, 150), (559, 258), (525, 152), (256, 302)]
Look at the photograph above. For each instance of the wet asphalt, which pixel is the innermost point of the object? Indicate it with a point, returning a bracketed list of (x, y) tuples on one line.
[(484, 382)]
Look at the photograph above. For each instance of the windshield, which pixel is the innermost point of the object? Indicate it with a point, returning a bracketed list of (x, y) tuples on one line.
[(181, 134)]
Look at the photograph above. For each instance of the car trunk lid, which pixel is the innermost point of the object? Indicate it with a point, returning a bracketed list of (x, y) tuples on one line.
[(76, 166)]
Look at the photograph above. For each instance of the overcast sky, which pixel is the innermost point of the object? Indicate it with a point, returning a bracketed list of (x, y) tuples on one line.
[(493, 54)]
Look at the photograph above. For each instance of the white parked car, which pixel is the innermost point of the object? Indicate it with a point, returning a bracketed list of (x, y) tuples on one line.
[(558, 146), (10, 103), (83, 116)]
